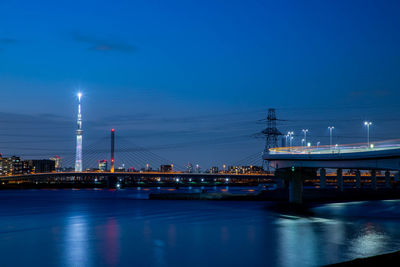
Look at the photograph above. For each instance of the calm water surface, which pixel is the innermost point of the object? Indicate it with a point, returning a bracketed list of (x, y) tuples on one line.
[(123, 228)]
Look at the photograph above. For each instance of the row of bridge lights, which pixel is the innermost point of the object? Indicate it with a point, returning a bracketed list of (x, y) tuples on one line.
[(289, 136)]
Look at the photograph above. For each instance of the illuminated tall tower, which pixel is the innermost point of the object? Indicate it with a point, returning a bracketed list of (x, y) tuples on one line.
[(112, 149), (79, 131)]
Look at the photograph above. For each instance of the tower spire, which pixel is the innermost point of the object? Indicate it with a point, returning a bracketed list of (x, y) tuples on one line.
[(112, 149), (79, 132)]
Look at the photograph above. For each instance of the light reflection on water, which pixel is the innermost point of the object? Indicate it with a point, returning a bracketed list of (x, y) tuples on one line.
[(77, 241), (293, 245), (112, 242), (115, 228), (368, 240)]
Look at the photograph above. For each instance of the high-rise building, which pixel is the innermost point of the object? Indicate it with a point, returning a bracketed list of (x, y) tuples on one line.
[(103, 165), (214, 170), (1, 164), (189, 168), (166, 168), (58, 163), (197, 169), (148, 168), (121, 168), (40, 165), (79, 132), (11, 166), (245, 169)]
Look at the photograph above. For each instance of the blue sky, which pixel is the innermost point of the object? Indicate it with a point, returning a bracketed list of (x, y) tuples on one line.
[(200, 73)]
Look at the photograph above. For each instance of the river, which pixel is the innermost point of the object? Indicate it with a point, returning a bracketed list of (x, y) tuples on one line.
[(105, 227)]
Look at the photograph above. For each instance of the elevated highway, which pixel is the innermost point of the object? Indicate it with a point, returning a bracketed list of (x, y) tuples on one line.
[(379, 156), (294, 163)]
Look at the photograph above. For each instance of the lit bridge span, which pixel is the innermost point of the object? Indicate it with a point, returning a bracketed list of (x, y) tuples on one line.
[(71, 176), (383, 155), (294, 164)]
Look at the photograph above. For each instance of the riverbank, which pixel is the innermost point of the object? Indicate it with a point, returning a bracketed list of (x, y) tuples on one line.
[(79, 184), (388, 259), (281, 195), (214, 192)]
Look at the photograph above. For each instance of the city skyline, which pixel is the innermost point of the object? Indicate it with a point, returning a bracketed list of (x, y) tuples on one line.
[(314, 139), (196, 91)]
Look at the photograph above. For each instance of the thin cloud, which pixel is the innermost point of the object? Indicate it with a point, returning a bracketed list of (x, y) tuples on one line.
[(102, 44), (7, 41), (370, 93)]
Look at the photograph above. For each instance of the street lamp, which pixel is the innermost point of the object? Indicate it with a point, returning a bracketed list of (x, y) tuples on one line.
[(330, 134), (318, 144), (286, 138), (290, 139), (303, 143), (367, 123), (305, 131)]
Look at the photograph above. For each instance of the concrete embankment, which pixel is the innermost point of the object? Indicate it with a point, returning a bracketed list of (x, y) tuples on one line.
[(23, 186), (389, 259), (202, 196), (309, 195), (334, 195)]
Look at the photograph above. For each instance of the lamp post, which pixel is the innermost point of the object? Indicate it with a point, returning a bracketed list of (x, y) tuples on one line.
[(367, 123), (330, 135), (290, 139), (305, 131), (318, 145), (303, 143)]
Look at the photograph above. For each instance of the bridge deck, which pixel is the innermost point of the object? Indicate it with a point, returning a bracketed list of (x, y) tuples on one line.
[(381, 155), (337, 149), (138, 175)]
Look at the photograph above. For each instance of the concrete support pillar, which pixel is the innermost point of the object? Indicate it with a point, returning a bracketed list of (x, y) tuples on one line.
[(280, 182), (373, 179), (339, 179), (322, 178), (387, 179), (358, 179), (295, 190)]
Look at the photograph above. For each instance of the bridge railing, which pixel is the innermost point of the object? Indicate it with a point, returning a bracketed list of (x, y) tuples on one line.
[(345, 148)]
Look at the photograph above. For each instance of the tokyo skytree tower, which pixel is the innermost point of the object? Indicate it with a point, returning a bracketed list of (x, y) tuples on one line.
[(79, 131)]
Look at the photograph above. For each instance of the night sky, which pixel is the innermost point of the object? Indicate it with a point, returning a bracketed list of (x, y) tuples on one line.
[(191, 81)]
